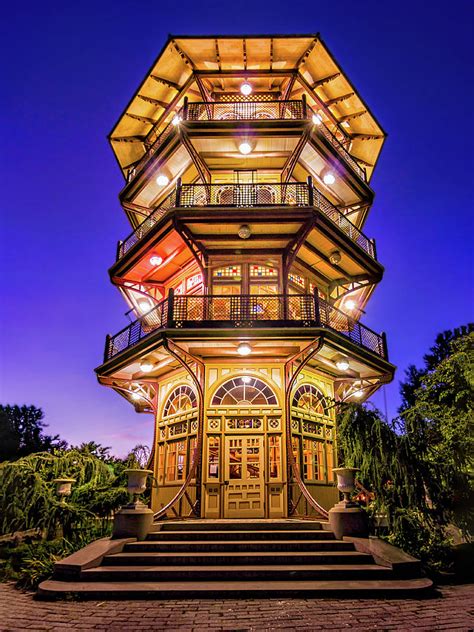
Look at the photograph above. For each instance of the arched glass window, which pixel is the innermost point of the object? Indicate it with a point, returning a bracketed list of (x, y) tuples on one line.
[(181, 399), (309, 397), (244, 391)]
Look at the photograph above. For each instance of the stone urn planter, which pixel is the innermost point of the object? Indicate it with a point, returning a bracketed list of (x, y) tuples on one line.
[(346, 517), (346, 481), (135, 519), (63, 487), (136, 485)]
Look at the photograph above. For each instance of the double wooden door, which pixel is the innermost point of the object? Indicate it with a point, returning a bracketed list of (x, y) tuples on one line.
[(244, 486)]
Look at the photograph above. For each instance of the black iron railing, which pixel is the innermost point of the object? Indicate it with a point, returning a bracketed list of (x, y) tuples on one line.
[(295, 110), (249, 195), (244, 110), (246, 311)]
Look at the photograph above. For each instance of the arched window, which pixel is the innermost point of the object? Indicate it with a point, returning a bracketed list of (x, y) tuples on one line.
[(181, 399), (244, 391), (309, 397)]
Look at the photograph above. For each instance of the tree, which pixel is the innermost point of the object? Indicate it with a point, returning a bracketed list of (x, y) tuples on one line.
[(420, 465), (22, 432)]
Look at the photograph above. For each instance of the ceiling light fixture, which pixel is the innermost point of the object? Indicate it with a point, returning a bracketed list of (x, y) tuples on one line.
[(246, 379), (342, 363), (246, 89), (156, 260), (162, 180), (245, 148), (136, 396), (244, 349), (329, 178), (144, 306), (244, 231), (176, 120), (317, 120), (359, 393), (350, 305), (147, 366)]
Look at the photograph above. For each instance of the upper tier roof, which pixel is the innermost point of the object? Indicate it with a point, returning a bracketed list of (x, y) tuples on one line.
[(196, 66)]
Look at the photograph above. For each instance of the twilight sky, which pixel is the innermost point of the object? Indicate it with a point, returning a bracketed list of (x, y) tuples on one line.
[(68, 71)]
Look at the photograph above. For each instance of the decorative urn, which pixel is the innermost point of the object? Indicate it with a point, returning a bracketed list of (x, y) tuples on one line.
[(346, 480), (136, 485)]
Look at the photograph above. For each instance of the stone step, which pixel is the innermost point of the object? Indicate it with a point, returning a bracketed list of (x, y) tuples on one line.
[(214, 535), (52, 589), (227, 545), (226, 573), (231, 557), (239, 525)]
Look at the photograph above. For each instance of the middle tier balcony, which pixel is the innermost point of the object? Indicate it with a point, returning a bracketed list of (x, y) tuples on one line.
[(291, 195), (285, 315)]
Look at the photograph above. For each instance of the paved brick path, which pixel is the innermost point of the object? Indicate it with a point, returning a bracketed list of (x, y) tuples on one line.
[(452, 610)]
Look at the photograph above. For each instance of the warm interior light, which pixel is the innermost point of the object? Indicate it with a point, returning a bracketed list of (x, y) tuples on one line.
[(176, 120), (329, 178), (144, 306), (350, 305), (245, 148), (246, 89), (146, 366), (246, 379), (317, 120), (155, 260), (136, 396), (358, 393), (342, 364), (162, 180), (244, 349)]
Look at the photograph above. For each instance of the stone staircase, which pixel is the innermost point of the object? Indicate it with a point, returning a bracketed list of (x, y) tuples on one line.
[(202, 558)]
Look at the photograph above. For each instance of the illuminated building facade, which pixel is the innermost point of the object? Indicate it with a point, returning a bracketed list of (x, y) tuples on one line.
[(247, 163)]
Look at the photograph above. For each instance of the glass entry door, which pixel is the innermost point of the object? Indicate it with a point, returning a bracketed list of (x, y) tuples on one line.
[(244, 478)]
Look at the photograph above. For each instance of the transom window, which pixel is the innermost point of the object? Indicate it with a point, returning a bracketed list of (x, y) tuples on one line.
[(244, 391), (310, 398), (182, 399)]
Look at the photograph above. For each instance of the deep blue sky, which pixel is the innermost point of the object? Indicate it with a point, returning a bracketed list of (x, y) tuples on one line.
[(68, 71)]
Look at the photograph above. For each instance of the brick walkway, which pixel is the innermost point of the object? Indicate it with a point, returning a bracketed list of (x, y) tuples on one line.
[(453, 609)]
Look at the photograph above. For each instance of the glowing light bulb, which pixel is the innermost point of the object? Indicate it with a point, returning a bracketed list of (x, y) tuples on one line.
[(155, 260), (342, 364), (246, 89), (162, 180), (329, 178), (358, 393), (245, 148), (144, 306), (246, 379), (136, 396), (350, 305), (176, 120), (244, 349), (317, 120), (146, 366)]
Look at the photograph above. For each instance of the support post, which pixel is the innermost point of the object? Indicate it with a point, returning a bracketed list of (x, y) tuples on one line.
[(107, 347), (304, 107), (178, 192), (309, 181), (384, 345), (170, 312), (317, 315), (185, 109)]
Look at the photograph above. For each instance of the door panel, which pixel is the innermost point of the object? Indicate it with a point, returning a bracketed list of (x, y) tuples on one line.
[(244, 482)]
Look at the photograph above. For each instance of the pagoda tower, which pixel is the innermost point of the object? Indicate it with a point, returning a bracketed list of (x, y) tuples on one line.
[(247, 163)]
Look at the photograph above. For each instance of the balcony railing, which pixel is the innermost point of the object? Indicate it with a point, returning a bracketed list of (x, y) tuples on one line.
[(251, 111), (249, 195), (245, 311)]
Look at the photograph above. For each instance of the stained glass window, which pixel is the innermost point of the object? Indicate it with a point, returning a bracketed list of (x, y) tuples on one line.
[(180, 400), (228, 272), (262, 271), (244, 391), (296, 279), (310, 398)]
